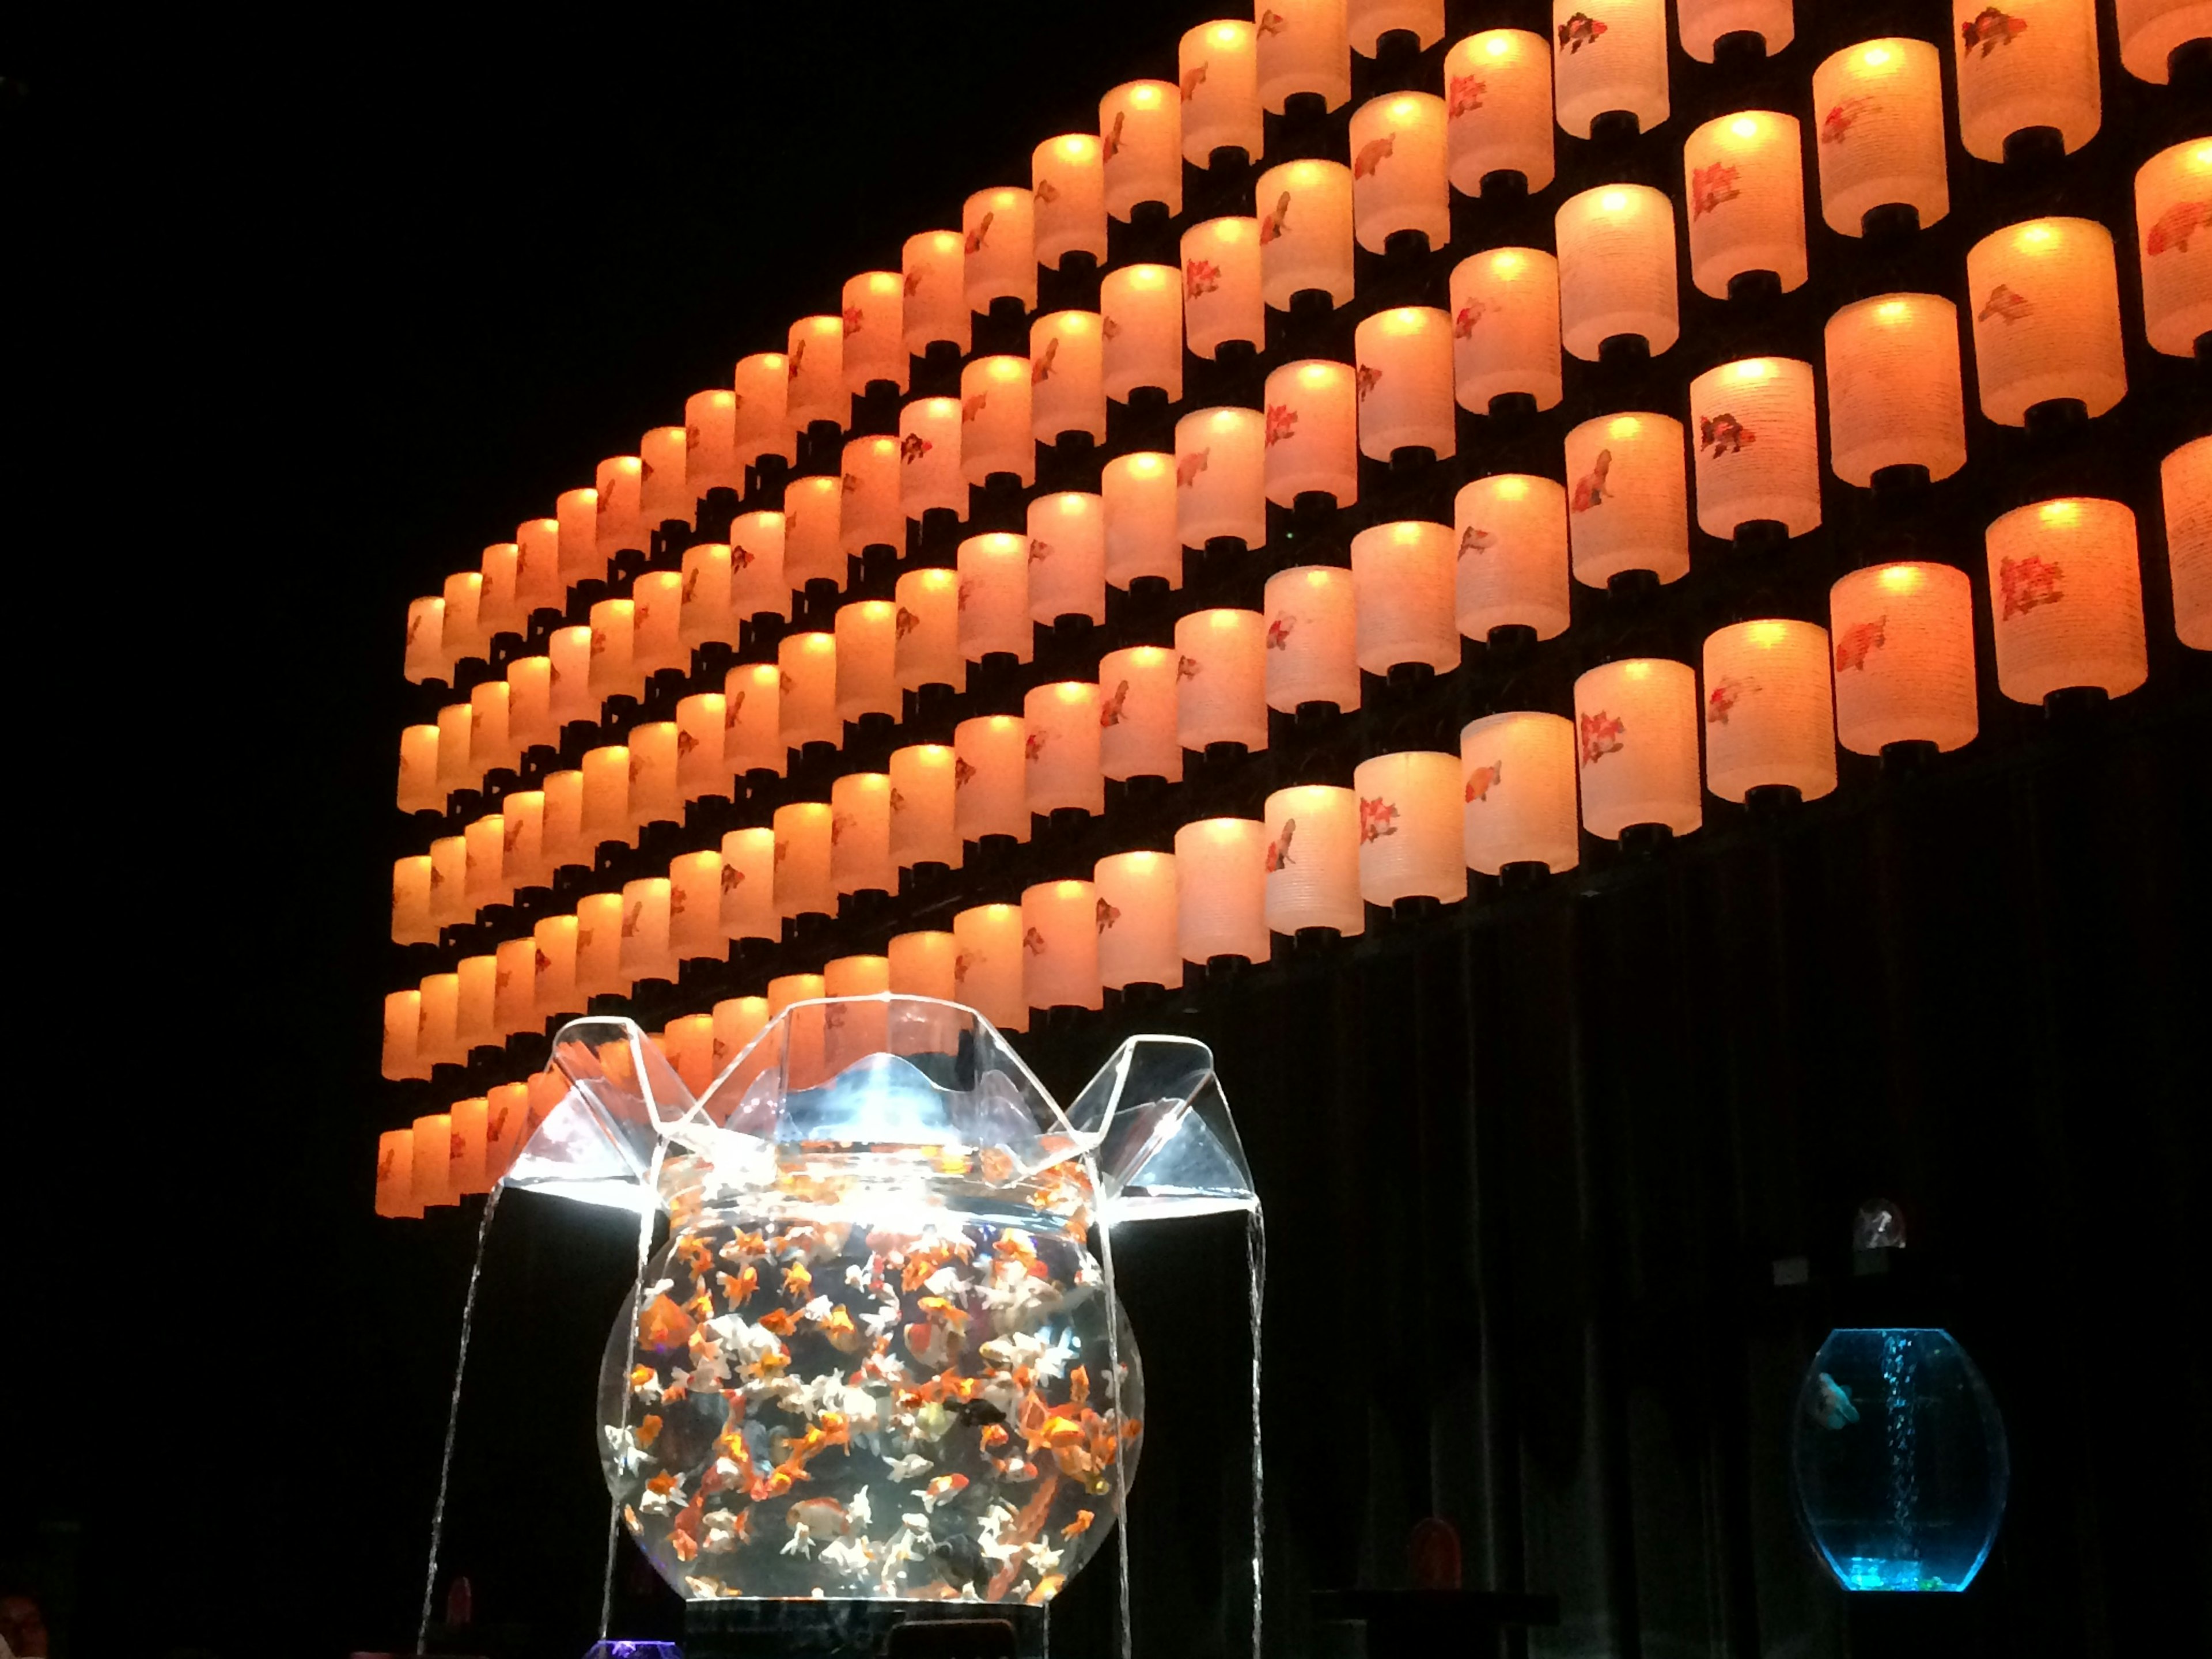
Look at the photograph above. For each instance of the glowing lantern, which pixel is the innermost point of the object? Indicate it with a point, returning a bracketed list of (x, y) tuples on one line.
[(1410, 838), (395, 1174), (622, 524), (1747, 194), (645, 953), (1067, 563), (1398, 180), (763, 425), (1517, 791), (1220, 476), (788, 988), (466, 1121), (1881, 139), (529, 704), (1616, 269), (1627, 498), (802, 885), (1903, 656), (2046, 309), (1217, 71), (607, 815), (1701, 23), (554, 938), (576, 518), (449, 880), (1060, 945), (561, 826), (1221, 692), (1061, 739), (689, 1044), (657, 624), (757, 585), (437, 1038), (1510, 542), (460, 633), (752, 719), (874, 321), (1140, 139), (1068, 196), (402, 1020), (1138, 493), (1505, 327), (1311, 863), (1312, 639), (930, 434), (748, 908), (695, 907), (1311, 443), (598, 945), (1221, 889), (1405, 382), (482, 842), (2151, 29), (860, 834), (1305, 231), (1636, 724), (1304, 47), (870, 515), (419, 789), (2173, 216), (1137, 713), (1142, 335), (2185, 482), (457, 769), (537, 582), (924, 830), (867, 678), (993, 596), (815, 360), (2066, 595), (523, 857), (807, 705), (1770, 715), (613, 632), (1615, 60), (431, 1183), (921, 965), (737, 1021), (1067, 390), (987, 965), (412, 922), (998, 230), (925, 630), (1136, 920), (995, 432), (990, 778), (704, 613), (1402, 576), (1221, 285), (664, 490), (1895, 394), (1498, 109), (1758, 448), (2031, 63), (813, 531), (933, 305), (856, 976), (498, 609)]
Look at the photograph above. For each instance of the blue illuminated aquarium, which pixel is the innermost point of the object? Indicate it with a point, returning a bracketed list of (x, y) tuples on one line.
[(1897, 1455)]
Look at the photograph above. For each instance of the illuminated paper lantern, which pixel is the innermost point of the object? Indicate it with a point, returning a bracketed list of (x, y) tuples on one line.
[(1616, 269), (1635, 726), (607, 815), (1217, 71), (456, 769), (924, 830), (1896, 397), (925, 630), (695, 907), (529, 704), (866, 659), (537, 582), (1067, 389), (997, 230), (1140, 140), (1612, 58), (644, 948), (1136, 920), (993, 596), (1140, 337), (506, 1125), (2173, 216), (1221, 889), (1221, 688), (1305, 231), (856, 976), (752, 719), (1505, 327), (1405, 383), (934, 303), (1303, 47), (1880, 137), (1137, 713), (1903, 655), (657, 624), (1060, 945), (2185, 482), (465, 1119), (402, 1020), (990, 778), (569, 677), (816, 365), (995, 433), (1220, 476), (654, 796), (664, 490), (1746, 187), (1498, 109), (784, 991), (1066, 561), (395, 1175), (621, 507), (737, 1021), (2149, 31), (987, 965), (1311, 442), (2066, 596), (807, 704), (412, 922), (437, 1038), (705, 613), (419, 790), (1402, 576), (1517, 791), (1770, 713), (490, 745), (449, 881), (930, 430), (711, 460), (523, 861), (1312, 639), (482, 842), (614, 633), (803, 884), (2029, 63), (1062, 741), (562, 828), (689, 1044), (813, 531), (1627, 498), (2046, 314), (748, 908), (461, 634), (921, 965), (1758, 446), (1398, 176), (874, 326), (576, 514), (598, 945), (432, 1137), (1312, 859), (1701, 23), (499, 611), (871, 514), (1139, 494), (762, 421), (1068, 196), (1221, 285), (554, 938), (1410, 837), (758, 584), (860, 834), (1510, 547)]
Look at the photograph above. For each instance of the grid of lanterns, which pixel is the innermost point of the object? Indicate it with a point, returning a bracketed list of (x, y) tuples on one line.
[(1765, 708)]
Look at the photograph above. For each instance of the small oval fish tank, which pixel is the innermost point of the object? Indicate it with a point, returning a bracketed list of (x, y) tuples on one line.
[(1898, 1457)]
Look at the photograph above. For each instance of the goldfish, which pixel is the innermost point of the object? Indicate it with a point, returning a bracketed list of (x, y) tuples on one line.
[(779, 1321), (1079, 1386), (1990, 29), (1046, 1588), (1589, 488), (844, 1335), (1077, 1527), (1364, 380), (941, 1490), (798, 1281), (1372, 154), (1579, 31), (1483, 780), (683, 1530), (824, 1517), (1831, 1404), (649, 1431), (738, 1288), (993, 1436), (661, 1325)]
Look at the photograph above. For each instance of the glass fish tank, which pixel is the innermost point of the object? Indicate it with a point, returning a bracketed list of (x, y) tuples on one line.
[(1899, 1459)]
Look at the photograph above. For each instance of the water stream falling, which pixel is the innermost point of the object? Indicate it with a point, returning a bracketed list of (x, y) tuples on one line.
[(1256, 1257), (453, 1423)]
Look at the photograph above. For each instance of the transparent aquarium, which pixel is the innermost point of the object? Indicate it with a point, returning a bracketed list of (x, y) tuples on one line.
[(1898, 1457)]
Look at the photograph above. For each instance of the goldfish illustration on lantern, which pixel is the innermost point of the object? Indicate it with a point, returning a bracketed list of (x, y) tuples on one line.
[(1112, 142), (914, 281), (1579, 31), (1464, 95), (2005, 305), (1279, 850), (850, 317), (981, 234), (732, 710), (1372, 154), (1709, 186), (1990, 29), (1193, 79), (1046, 191), (1271, 23), (2175, 226), (1589, 488), (962, 769), (1033, 941), (1377, 818), (1601, 734), (743, 558), (973, 405), (912, 446), (1721, 701), (1109, 712), (686, 743), (1279, 633), (2027, 583), (798, 356), (1188, 667), (1844, 115), (1033, 746), (731, 878), (903, 622), (1465, 319), (1106, 916), (690, 586), (1199, 278), (1364, 380), (1483, 780), (1282, 420), (1474, 539), (1039, 551), (1188, 468), (1723, 435), (1040, 370), (1272, 226), (1859, 641)]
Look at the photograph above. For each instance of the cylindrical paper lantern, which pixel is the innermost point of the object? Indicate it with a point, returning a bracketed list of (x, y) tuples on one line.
[(657, 624), (664, 490), (925, 630), (1068, 196), (1221, 882), (1220, 486), (576, 512), (1505, 327), (1410, 838), (461, 632), (1136, 920), (644, 948), (990, 778), (1895, 395), (432, 1183), (1066, 564), (621, 511), (2046, 304), (934, 304), (437, 1038), (2029, 63), (523, 861), (995, 433), (807, 710), (1137, 713), (1312, 859), (1402, 576), (449, 881), (1498, 109), (871, 514), (654, 794), (1405, 385), (757, 587), (614, 638), (875, 336), (2173, 216), (1636, 724), (987, 965), (923, 827), (1746, 184), (554, 938), (1221, 690), (995, 595), (1141, 137), (1517, 791), (695, 906), (752, 718), (598, 945), (1138, 492), (412, 922), (2066, 595), (711, 460), (483, 840), (1612, 59), (490, 742), (1758, 453), (764, 423), (395, 1174), (1617, 268), (705, 613), (921, 965), (2185, 482), (1770, 713), (563, 823), (499, 609), (2151, 29), (1702, 23), (1305, 231), (748, 908), (1510, 542), (813, 531), (1398, 180), (866, 658), (530, 702), (856, 976), (1060, 945), (1312, 639), (419, 788), (998, 238), (1218, 68), (1312, 439), (466, 1121), (737, 1021), (402, 1020), (1903, 657), (1221, 284), (1304, 47), (506, 1125), (537, 564), (929, 457), (607, 815), (1627, 498), (1370, 20), (689, 1045), (802, 860), (1141, 334), (1062, 741), (1880, 107), (456, 768), (1067, 391), (860, 834), (817, 367), (789, 988), (569, 677)]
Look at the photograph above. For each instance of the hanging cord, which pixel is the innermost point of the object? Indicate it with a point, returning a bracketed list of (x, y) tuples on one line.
[(453, 1423)]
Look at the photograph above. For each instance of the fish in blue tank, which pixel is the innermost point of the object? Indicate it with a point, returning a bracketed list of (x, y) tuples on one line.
[(1830, 1404)]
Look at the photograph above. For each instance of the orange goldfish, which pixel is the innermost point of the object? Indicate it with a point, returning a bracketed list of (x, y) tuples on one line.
[(1046, 1588), (1077, 1527), (779, 1321), (649, 1431), (739, 1287), (798, 1281)]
